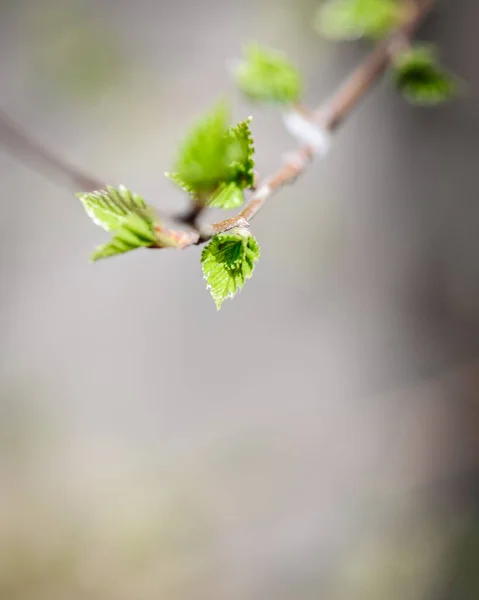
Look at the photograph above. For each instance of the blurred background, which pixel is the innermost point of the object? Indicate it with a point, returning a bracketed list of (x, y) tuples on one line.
[(317, 438)]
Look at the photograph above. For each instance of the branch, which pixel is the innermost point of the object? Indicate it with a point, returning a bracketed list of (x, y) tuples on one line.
[(313, 129), (19, 143), (328, 117), (367, 74)]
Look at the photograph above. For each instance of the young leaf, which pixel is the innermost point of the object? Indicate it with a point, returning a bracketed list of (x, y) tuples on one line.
[(107, 208), (421, 79), (267, 76), (132, 221), (134, 232), (213, 156), (175, 178), (353, 19), (201, 162), (227, 261), (242, 169), (228, 195)]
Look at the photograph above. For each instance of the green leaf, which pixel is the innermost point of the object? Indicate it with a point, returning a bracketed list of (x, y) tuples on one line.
[(267, 76), (353, 19), (132, 221), (421, 79), (242, 169), (228, 195), (108, 208), (133, 233), (227, 261), (175, 178), (214, 155)]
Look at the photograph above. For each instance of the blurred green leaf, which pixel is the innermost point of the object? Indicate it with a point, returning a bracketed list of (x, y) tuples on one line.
[(421, 79), (175, 178), (265, 75), (353, 19), (201, 161), (215, 161), (227, 196), (228, 260)]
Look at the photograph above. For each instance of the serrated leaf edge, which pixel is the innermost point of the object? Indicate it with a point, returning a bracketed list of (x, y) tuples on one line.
[(237, 234)]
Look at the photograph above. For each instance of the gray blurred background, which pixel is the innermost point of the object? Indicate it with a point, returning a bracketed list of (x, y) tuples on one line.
[(317, 438)]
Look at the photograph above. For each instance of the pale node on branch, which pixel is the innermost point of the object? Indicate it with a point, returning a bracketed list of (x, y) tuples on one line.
[(241, 224), (308, 133), (262, 192)]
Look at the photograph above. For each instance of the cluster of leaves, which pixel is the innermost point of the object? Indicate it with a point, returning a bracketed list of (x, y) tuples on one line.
[(215, 163), (227, 261), (416, 71)]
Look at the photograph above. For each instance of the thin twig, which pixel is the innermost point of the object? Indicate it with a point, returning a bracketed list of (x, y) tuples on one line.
[(19, 143), (368, 73)]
